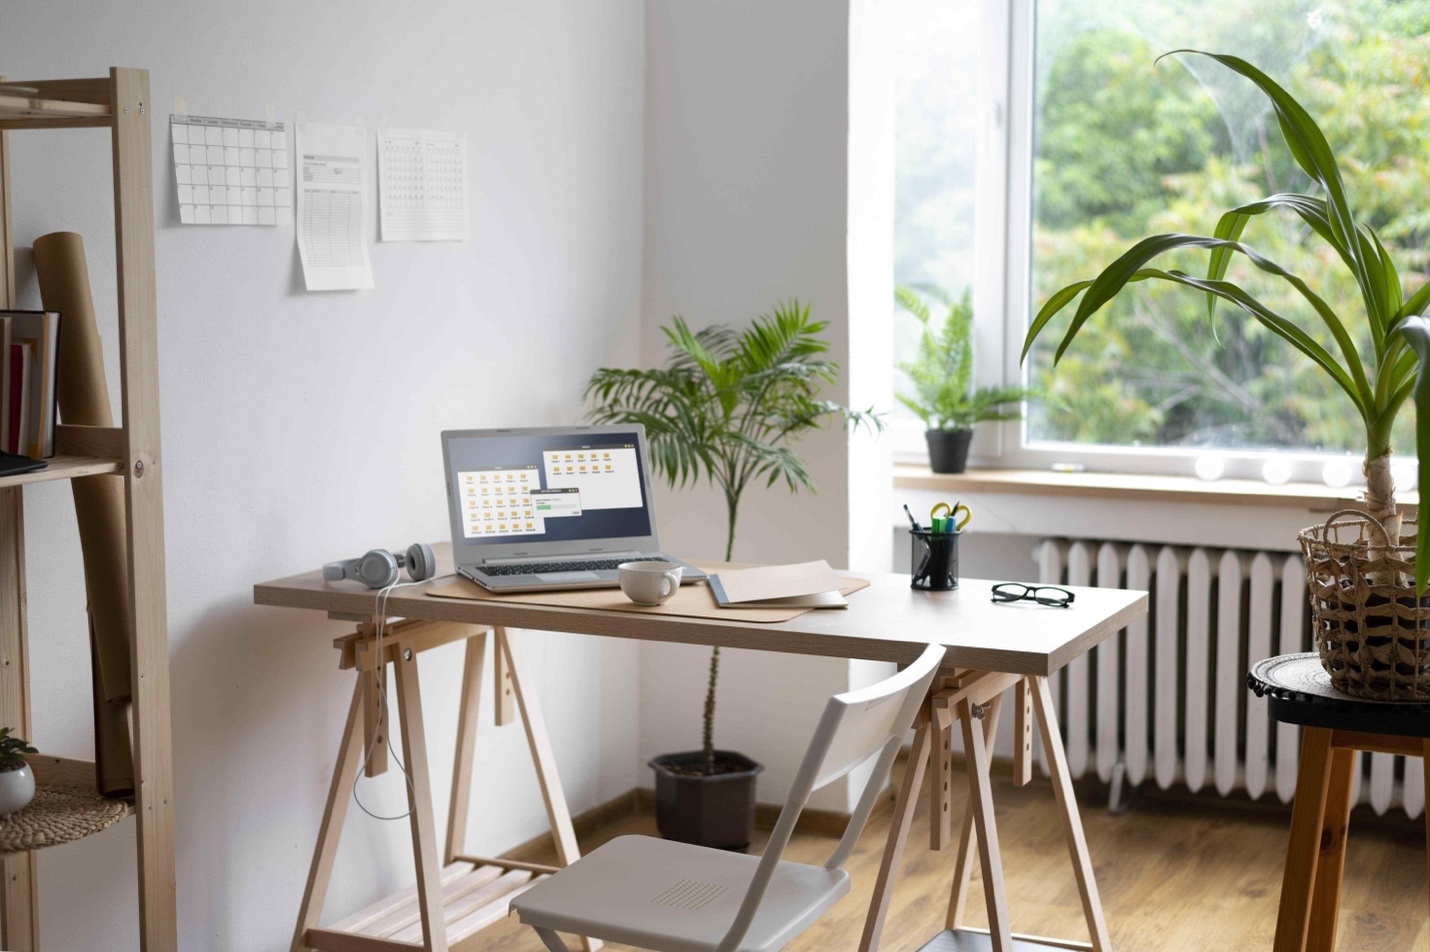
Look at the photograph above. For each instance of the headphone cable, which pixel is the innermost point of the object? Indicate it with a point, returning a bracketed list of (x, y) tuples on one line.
[(380, 613)]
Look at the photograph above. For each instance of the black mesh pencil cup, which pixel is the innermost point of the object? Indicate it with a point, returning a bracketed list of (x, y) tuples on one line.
[(935, 560)]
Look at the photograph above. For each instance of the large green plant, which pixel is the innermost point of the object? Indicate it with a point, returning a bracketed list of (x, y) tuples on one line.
[(724, 408), (1377, 382), (942, 375)]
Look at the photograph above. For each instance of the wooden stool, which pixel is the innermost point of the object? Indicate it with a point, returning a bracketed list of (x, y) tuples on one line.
[(1335, 726), (456, 895)]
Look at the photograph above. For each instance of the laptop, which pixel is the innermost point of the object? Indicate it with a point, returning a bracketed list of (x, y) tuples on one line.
[(551, 508)]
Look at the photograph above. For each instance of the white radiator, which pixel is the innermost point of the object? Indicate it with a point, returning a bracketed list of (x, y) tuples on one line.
[(1166, 699)]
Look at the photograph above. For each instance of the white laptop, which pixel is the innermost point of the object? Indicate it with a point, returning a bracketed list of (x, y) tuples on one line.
[(552, 507)]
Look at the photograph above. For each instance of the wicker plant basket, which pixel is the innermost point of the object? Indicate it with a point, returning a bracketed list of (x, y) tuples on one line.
[(1371, 631)]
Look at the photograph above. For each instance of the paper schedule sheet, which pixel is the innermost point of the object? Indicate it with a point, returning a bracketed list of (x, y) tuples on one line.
[(422, 185), (333, 183)]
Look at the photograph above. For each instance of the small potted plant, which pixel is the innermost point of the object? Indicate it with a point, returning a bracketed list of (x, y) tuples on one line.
[(17, 783), (724, 407), (943, 396)]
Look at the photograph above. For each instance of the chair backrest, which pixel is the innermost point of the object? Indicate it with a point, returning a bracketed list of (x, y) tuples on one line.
[(855, 726)]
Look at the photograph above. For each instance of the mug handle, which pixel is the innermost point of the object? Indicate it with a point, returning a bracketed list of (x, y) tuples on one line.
[(669, 584)]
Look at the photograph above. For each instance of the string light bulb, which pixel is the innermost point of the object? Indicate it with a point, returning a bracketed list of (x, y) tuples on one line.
[(1209, 467), (1276, 470)]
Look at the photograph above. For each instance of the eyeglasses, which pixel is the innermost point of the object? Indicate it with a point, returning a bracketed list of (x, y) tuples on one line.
[(1017, 592)]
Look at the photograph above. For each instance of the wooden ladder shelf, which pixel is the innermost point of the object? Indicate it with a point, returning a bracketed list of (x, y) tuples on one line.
[(120, 103)]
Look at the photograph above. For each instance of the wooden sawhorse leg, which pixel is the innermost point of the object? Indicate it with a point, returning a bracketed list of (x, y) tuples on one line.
[(512, 668), (963, 866), (898, 832), (455, 894), (972, 696)]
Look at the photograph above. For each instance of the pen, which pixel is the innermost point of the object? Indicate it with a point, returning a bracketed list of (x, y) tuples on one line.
[(912, 521)]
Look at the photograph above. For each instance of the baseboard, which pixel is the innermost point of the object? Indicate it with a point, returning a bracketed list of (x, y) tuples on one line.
[(818, 822), (641, 801), (538, 848)]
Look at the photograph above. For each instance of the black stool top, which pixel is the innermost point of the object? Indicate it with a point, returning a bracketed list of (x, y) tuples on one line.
[(1298, 691)]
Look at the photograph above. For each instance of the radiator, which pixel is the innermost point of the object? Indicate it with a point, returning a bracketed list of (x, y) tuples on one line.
[(1166, 699)]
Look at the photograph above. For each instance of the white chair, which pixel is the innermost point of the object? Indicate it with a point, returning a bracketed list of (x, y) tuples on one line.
[(676, 897)]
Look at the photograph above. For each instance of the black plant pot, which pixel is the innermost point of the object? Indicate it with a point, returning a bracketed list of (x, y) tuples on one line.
[(948, 449), (717, 810)]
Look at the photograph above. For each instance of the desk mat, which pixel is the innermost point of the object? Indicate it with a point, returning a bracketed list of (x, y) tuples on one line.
[(692, 601)]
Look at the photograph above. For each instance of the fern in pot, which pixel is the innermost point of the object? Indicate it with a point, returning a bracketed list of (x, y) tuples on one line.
[(724, 408), (1366, 577), (941, 375)]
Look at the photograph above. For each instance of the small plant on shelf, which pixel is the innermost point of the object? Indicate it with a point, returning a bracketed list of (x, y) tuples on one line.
[(17, 783), (943, 396), (13, 750)]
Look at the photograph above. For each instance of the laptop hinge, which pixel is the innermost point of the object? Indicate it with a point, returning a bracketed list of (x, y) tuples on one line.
[(568, 557)]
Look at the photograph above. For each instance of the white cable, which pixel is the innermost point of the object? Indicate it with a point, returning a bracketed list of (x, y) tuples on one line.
[(380, 612)]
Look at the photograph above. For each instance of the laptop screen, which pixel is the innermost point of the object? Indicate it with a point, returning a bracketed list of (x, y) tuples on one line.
[(514, 488)]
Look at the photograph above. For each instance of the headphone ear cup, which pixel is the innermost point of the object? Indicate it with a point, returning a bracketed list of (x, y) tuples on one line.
[(421, 562), (377, 569)]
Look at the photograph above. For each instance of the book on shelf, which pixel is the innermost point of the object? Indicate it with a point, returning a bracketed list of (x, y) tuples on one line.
[(20, 361), (4, 384), (30, 410)]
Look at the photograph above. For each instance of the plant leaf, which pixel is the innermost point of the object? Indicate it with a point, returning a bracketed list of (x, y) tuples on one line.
[(1286, 329), (1416, 331), (1117, 275), (1313, 154)]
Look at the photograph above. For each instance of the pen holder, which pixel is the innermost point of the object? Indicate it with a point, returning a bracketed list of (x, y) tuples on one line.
[(935, 560)]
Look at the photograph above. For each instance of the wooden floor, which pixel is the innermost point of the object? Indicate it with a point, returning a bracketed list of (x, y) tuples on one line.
[(1175, 875)]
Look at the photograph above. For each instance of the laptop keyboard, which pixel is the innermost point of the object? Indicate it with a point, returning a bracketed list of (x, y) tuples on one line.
[(542, 568)]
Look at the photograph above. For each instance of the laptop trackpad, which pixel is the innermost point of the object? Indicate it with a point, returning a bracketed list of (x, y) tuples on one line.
[(564, 577)]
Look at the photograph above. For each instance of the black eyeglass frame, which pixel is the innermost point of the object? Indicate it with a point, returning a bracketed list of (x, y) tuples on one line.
[(1029, 593)]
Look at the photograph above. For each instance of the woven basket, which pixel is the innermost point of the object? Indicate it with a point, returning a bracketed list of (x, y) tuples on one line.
[(1372, 632)]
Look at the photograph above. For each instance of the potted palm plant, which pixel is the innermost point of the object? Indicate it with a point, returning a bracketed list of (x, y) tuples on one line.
[(724, 408), (1372, 626), (943, 395), (17, 783)]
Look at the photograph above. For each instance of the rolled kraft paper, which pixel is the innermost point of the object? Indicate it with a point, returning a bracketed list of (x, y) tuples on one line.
[(113, 747), (83, 398)]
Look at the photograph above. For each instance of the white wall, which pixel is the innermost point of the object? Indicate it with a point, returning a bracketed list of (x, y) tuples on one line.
[(303, 427), (748, 173)]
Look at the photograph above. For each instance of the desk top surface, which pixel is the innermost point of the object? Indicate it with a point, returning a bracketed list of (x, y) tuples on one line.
[(888, 621)]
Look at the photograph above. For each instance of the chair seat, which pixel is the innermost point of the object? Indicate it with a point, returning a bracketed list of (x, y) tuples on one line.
[(675, 897)]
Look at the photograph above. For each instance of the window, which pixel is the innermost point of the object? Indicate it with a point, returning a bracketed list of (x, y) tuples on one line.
[(1103, 147), (937, 105)]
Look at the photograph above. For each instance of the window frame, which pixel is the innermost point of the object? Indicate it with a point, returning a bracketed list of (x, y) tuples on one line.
[(1003, 226)]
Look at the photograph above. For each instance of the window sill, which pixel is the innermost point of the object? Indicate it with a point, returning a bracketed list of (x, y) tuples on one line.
[(1141, 488)]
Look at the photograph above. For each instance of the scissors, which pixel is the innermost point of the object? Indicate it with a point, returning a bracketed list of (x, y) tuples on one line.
[(944, 518)]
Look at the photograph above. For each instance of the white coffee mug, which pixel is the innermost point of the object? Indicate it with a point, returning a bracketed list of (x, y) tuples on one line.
[(649, 583)]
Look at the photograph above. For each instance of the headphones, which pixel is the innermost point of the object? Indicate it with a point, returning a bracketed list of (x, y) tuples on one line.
[(379, 568)]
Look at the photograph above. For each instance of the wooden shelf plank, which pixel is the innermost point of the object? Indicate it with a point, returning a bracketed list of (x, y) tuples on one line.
[(472, 898), (64, 467), (26, 107)]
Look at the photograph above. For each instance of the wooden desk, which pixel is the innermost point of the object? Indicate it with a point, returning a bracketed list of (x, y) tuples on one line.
[(990, 648)]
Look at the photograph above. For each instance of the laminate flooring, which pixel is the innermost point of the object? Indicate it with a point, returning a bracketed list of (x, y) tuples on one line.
[(1176, 874)]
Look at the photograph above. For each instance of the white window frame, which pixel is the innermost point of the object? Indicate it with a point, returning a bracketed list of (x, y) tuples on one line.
[(1003, 227)]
